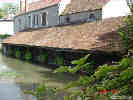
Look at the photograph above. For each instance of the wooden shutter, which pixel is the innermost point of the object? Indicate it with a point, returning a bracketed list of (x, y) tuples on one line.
[(44, 19)]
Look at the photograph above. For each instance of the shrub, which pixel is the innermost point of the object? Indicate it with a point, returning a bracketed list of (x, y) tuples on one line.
[(126, 33), (106, 81), (41, 91), (4, 36), (107, 77)]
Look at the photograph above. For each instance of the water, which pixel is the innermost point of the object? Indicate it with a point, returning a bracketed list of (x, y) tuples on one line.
[(16, 76)]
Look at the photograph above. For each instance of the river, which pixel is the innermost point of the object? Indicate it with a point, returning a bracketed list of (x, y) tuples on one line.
[(17, 75)]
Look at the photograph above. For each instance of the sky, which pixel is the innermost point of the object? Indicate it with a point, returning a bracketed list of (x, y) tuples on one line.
[(12, 1), (2, 2), (9, 1)]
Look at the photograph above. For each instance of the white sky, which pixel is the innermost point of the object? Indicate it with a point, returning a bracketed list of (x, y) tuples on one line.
[(2, 2)]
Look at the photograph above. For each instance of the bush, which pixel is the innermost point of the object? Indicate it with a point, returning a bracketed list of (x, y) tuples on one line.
[(126, 33), (106, 81), (4, 36), (107, 77)]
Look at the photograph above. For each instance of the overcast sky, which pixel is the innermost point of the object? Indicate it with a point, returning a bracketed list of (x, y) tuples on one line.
[(8, 1)]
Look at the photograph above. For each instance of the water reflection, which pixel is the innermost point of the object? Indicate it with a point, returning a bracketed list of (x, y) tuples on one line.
[(21, 75)]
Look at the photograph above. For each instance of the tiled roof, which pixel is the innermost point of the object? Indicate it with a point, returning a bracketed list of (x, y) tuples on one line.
[(83, 5), (74, 6), (42, 4), (38, 5), (100, 35)]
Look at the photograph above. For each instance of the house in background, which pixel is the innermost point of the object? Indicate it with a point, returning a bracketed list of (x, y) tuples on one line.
[(6, 27), (68, 28), (116, 8), (7, 23), (50, 13)]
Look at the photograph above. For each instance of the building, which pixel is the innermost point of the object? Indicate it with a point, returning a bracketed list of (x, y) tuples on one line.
[(49, 13), (68, 28), (6, 27)]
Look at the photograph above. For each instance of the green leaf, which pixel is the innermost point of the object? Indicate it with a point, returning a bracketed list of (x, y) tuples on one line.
[(81, 61)]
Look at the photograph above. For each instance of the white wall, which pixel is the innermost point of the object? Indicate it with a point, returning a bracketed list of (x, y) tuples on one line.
[(81, 17), (6, 27), (115, 8), (62, 5)]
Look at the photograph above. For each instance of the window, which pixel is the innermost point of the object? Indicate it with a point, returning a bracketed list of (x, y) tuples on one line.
[(29, 20), (92, 17), (35, 20), (19, 23), (68, 19), (44, 19)]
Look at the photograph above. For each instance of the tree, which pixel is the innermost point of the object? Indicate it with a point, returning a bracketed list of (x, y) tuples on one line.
[(127, 32), (1, 13), (10, 8)]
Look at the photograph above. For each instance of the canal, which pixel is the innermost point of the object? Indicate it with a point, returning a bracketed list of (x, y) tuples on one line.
[(17, 76)]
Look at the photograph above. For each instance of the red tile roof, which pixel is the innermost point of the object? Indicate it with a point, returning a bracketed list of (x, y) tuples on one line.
[(100, 35)]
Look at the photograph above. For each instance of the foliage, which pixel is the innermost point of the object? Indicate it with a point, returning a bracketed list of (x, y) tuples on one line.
[(18, 54), (44, 57), (59, 60), (28, 55), (126, 33), (40, 91), (7, 7), (4, 36), (79, 65), (9, 74), (1, 13), (107, 77)]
